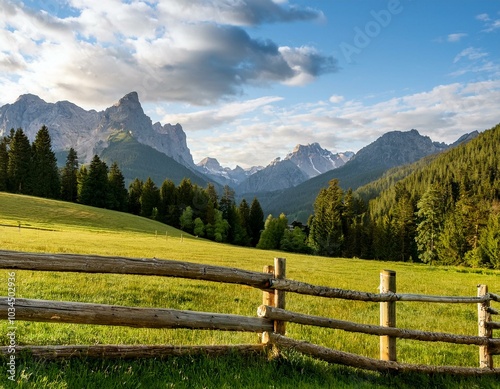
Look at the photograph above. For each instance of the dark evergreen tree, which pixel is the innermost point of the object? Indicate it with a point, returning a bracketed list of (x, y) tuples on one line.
[(430, 220), (134, 196), (150, 199), (255, 222), (19, 166), (404, 224), (167, 207), (229, 213), (45, 173), (327, 234), (95, 188), (81, 178), (4, 165), (69, 177), (185, 194), (118, 194), (488, 252)]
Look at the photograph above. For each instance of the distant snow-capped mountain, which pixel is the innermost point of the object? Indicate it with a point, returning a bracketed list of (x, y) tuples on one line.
[(303, 163), (314, 160), (225, 175)]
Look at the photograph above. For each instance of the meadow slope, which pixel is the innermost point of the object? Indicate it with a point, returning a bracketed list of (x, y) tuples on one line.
[(38, 225)]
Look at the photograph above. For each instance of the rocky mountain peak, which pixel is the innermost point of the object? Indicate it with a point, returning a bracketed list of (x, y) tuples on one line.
[(29, 98), (88, 132), (210, 164), (313, 160)]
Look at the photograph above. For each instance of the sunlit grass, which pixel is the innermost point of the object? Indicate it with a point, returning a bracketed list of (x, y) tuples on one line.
[(57, 227)]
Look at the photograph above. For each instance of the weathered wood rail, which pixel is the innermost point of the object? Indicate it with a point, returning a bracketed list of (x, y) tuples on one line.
[(270, 322)]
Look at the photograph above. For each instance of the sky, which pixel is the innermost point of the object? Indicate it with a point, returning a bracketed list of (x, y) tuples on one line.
[(248, 80)]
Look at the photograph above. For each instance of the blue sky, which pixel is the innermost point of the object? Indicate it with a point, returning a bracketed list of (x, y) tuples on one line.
[(250, 79)]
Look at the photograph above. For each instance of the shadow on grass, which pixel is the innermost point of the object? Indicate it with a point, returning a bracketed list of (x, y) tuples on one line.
[(291, 370)]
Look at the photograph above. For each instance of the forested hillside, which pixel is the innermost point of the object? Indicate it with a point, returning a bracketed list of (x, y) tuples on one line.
[(446, 212), (442, 209)]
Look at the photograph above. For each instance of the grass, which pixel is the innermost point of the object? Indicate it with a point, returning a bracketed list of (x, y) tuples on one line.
[(57, 227)]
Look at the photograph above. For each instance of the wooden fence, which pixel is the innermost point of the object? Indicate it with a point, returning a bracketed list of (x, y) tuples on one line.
[(270, 322)]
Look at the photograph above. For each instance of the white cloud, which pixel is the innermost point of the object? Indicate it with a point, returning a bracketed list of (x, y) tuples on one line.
[(192, 51), (444, 113), (489, 23), (456, 37), (335, 99), (470, 53)]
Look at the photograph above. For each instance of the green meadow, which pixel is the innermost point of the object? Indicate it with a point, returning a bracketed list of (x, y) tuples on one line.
[(37, 225)]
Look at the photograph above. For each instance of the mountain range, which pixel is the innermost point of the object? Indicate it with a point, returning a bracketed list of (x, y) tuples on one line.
[(123, 133)]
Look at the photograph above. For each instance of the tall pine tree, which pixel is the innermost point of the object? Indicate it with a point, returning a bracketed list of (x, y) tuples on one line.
[(19, 166), (69, 177), (117, 191), (45, 174), (4, 165), (95, 188), (327, 236)]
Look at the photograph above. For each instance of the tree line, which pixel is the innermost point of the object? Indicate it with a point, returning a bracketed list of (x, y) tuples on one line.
[(441, 210), (31, 169)]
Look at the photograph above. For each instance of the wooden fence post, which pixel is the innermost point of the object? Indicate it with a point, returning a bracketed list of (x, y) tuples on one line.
[(484, 317), (267, 299), (279, 296), (388, 315)]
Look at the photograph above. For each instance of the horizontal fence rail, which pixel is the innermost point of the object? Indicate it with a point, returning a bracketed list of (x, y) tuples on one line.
[(270, 322), (114, 315), (323, 291), (112, 351), (349, 359), (179, 269), (273, 313), (132, 266)]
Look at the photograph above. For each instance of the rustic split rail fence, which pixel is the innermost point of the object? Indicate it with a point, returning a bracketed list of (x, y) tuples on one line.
[(270, 322)]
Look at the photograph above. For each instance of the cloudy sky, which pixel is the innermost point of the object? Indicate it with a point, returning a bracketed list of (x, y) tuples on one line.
[(250, 79)]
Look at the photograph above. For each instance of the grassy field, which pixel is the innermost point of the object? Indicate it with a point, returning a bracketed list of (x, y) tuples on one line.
[(37, 225)]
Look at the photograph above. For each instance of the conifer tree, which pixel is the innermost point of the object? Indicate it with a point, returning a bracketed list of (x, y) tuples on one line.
[(255, 222), (430, 214), (69, 177), (95, 188), (82, 177), (19, 166), (327, 236), (488, 253), (167, 207), (134, 196), (118, 192), (150, 198), (4, 165), (45, 174)]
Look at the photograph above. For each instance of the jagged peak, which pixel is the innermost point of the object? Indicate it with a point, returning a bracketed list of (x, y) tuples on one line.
[(28, 97), (209, 162), (129, 98)]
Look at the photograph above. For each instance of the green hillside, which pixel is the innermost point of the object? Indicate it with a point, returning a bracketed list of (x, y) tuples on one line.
[(53, 226)]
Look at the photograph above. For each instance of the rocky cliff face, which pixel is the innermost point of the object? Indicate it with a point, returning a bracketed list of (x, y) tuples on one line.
[(88, 132)]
